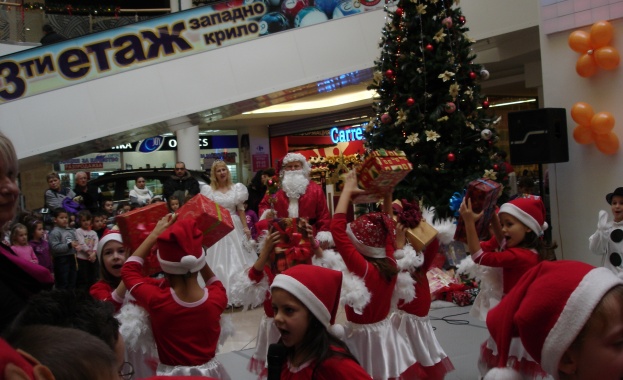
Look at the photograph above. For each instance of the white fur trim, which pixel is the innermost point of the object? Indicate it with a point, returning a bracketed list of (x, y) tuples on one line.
[(330, 259), (575, 314), (468, 267), (524, 218), (266, 213), (325, 237), (338, 331), (503, 374), (136, 329), (227, 329), (111, 236), (245, 292), (373, 252), (410, 259), (446, 229), (188, 263), (306, 296), (404, 289), (293, 208)]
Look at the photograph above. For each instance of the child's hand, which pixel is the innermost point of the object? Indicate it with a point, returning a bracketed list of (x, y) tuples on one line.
[(350, 183), (92, 256), (602, 221), (163, 224), (468, 215), (75, 244)]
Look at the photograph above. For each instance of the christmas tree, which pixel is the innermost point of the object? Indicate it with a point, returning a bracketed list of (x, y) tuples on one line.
[(429, 103)]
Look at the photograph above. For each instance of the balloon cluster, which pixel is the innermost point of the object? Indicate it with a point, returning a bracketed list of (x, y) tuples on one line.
[(595, 49), (594, 128)]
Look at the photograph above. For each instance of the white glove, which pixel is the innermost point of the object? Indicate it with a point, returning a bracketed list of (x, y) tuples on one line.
[(602, 221)]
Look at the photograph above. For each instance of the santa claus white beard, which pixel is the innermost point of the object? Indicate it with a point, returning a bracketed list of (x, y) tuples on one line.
[(294, 184)]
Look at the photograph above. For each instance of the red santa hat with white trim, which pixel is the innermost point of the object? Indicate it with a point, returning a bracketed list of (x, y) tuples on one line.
[(316, 287), (179, 248), (373, 234), (529, 211), (109, 235), (547, 309)]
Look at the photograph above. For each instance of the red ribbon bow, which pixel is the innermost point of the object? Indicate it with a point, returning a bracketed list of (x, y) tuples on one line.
[(411, 215)]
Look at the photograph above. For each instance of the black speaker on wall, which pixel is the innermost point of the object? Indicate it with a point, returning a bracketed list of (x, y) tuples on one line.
[(538, 136)]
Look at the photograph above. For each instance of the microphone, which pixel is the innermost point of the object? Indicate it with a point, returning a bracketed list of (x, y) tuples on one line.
[(275, 358)]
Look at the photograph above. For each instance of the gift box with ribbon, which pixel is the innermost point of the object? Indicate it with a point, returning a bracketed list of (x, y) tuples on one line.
[(137, 224), (419, 233), (439, 281), (380, 172), (214, 220), (294, 246), (483, 194)]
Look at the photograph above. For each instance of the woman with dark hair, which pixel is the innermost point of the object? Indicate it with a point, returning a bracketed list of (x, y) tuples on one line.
[(257, 188)]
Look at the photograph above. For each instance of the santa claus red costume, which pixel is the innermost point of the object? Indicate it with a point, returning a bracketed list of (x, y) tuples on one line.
[(184, 317), (299, 197)]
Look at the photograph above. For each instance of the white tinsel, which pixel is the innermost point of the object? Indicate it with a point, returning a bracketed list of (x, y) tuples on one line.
[(503, 374), (245, 292), (227, 329), (409, 259), (444, 227), (136, 329), (325, 237), (404, 289), (491, 286)]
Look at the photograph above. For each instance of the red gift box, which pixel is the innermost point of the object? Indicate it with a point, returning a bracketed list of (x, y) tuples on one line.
[(137, 224), (383, 169), (484, 194), (294, 246), (214, 220)]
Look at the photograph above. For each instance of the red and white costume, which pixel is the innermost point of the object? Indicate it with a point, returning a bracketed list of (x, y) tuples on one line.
[(411, 321), (332, 368), (370, 335), (102, 291)]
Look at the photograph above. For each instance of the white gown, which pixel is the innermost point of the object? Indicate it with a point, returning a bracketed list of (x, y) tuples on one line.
[(229, 256)]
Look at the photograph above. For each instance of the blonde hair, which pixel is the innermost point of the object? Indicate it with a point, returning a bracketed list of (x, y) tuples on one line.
[(15, 230), (8, 157), (213, 180)]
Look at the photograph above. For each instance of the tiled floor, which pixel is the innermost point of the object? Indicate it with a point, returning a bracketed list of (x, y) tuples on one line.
[(458, 333)]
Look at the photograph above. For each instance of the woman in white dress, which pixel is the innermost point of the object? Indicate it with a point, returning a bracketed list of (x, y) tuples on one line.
[(141, 195), (230, 255)]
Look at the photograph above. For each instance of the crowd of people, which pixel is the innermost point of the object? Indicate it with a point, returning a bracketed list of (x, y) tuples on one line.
[(76, 294)]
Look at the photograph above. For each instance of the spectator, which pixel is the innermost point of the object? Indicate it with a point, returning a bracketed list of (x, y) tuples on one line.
[(91, 195), (63, 244), (54, 196), (141, 195), (181, 183), (257, 188), (50, 36), (39, 243)]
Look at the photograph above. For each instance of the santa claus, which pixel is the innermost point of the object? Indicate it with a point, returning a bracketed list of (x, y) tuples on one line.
[(299, 197)]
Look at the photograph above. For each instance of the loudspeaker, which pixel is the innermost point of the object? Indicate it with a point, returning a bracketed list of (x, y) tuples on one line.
[(538, 136)]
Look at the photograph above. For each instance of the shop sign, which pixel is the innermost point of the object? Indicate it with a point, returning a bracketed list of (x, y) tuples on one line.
[(91, 162), (158, 143), (346, 134)]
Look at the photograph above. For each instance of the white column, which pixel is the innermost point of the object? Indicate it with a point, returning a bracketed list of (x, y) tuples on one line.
[(186, 4), (188, 147), (174, 5)]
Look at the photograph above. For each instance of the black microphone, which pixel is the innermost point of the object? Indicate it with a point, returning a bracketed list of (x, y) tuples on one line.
[(276, 355)]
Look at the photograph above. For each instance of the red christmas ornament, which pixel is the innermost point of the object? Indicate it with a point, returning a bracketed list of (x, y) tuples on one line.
[(451, 157), (496, 167), (399, 12), (389, 74), (429, 47), (462, 20), (447, 22), (450, 107), (472, 75), (485, 104), (410, 102), (386, 118)]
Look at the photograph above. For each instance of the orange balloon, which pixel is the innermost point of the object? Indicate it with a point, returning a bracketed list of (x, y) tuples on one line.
[(607, 57), (580, 41), (601, 34), (582, 113), (602, 123), (607, 143), (586, 66), (583, 135)]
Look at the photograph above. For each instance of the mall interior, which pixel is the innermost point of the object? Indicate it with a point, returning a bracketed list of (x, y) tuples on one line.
[(252, 100)]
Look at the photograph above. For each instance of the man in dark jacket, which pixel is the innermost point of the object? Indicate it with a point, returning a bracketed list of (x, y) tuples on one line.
[(50, 36), (91, 196), (182, 183)]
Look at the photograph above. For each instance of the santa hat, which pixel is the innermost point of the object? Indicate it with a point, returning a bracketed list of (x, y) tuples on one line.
[(316, 287), (529, 211), (547, 309), (19, 362), (109, 235), (373, 234), (291, 157), (179, 248)]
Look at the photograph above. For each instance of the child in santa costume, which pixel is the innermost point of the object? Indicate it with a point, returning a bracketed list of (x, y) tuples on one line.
[(367, 246), (569, 317), (185, 317), (111, 254), (516, 246), (305, 299), (607, 241)]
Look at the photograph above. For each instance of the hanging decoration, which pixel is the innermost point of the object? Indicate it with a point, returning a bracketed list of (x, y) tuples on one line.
[(594, 128), (595, 49)]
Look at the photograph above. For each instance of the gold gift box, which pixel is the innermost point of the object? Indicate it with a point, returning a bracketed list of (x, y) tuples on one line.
[(420, 236)]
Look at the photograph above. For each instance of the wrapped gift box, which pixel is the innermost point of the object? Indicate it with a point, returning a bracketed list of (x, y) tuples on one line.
[(294, 246), (383, 169), (484, 194), (420, 235), (454, 252), (137, 224), (214, 220), (371, 197), (439, 281)]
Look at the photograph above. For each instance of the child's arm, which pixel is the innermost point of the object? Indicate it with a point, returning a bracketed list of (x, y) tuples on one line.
[(497, 228), (315, 244), (401, 236), (57, 244), (269, 243), (598, 242), (243, 220), (82, 245), (350, 188), (470, 218), (143, 250)]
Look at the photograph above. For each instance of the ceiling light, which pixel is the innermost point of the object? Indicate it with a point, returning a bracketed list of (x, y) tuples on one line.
[(511, 103), (301, 106)]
